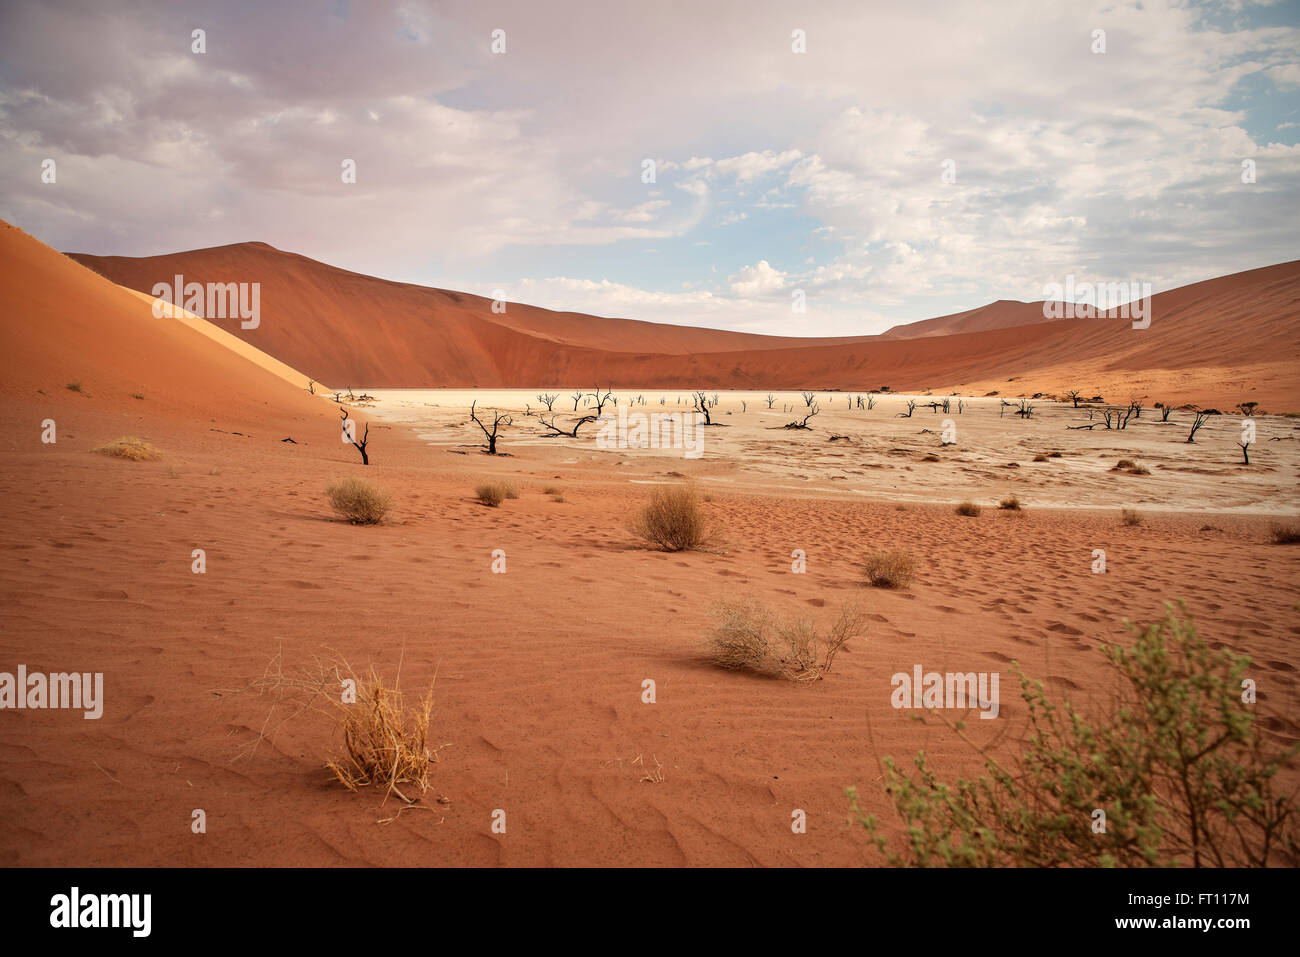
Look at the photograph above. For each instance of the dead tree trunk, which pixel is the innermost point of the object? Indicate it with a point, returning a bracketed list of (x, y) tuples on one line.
[(556, 431), (350, 434), (803, 423), (498, 420), (702, 406)]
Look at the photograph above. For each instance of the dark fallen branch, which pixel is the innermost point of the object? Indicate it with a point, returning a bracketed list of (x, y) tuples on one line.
[(556, 431)]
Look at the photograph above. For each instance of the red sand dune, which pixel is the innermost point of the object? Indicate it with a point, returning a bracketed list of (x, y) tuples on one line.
[(1211, 342), (76, 327), (1003, 314)]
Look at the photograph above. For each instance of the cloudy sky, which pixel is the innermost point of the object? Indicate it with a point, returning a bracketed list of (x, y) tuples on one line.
[(775, 171)]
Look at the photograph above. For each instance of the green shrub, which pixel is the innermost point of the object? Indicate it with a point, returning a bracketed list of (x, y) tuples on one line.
[(1178, 764)]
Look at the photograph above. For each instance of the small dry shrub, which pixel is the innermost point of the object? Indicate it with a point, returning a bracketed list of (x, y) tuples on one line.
[(384, 745), (551, 490), (890, 569), (968, 508), (130, 447), (673, 520), (1285, 533), (74, 386), (1040, 457), (1125, 464), (1131, 517), (359, 501), (1010, 503), (749, 636), (492, 493)]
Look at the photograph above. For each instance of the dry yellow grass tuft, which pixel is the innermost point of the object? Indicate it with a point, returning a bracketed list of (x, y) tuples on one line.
[(359, 501), (890, 569), (673, 520), (1131, 467), (384, 745), (749, 637), (494, 493), (1131, 517), (1011, 503), (968, 508), (130, 447)]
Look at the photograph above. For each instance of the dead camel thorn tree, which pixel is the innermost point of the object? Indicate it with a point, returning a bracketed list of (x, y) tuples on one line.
[(557, 431), (350, 435), (498, 420), (600, 399), (702, 406), (803, 424)]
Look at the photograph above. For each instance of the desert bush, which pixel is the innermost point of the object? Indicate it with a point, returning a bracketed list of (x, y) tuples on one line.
[(968, 508), (492, 493), (749, 636), (931, 458), (130, 447), (384, 745), (1179, 764), (673, 520), (1040, 457), (1010, 504), (359, 501), (74, 386), (1128, 465), (1285, 533), (890, 569), (551, 490), (1131, 517)]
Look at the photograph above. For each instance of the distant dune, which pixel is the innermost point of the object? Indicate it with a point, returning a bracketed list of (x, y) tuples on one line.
[(77, 327), (1220, 341)]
